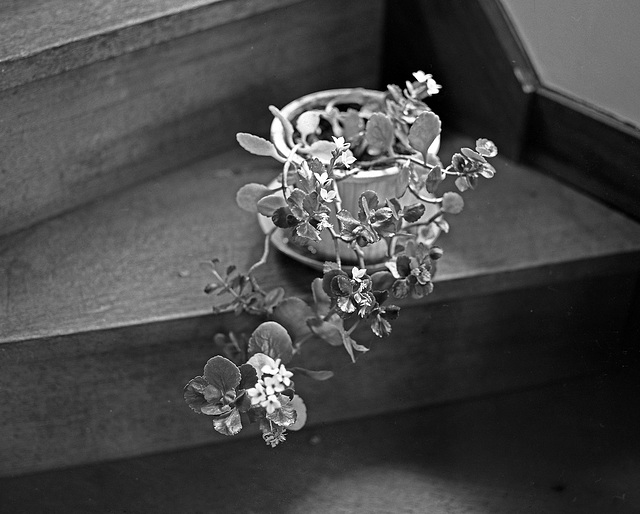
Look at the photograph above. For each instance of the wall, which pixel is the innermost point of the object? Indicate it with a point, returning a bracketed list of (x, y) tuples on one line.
[(586, 48)]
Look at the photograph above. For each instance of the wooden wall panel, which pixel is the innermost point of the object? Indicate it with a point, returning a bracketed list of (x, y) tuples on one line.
[(490, 89), (593, 152), (456, 41)]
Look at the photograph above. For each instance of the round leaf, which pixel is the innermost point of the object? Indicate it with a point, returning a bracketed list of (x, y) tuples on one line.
[(267, 205), (248, 195), (413, 213), (322, 150), (486, 147), (286, 415), (379, 132), (193, 394), (307, 123), (424, 131), (272, 339), (230, 425), (474, 156), (292, 314), (402, 182), (301, 411), (258, 361), (222, 374), (249, 376), (452, 203)]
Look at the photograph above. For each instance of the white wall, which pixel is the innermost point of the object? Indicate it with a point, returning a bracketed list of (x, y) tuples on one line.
[(589, 49)]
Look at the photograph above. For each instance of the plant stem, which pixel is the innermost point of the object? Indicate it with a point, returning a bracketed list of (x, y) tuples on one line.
[(423, 198), (354, 326), (302, 340), (432, 218), (265, 252), (328, 314), (336, 243), (285, 169), (393, 160), (360, 254)]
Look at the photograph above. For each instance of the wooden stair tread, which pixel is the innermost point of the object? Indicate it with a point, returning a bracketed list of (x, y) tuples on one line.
[(136, 257), (567, 447), (43, 38), (103, 309)]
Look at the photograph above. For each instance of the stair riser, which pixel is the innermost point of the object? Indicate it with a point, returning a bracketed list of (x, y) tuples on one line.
[(112, 394), (75, 136)]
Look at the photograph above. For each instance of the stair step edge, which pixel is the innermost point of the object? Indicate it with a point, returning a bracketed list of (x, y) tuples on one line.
[(62, 35)]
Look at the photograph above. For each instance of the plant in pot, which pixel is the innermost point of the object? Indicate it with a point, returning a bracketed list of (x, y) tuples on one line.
[(358, 198)]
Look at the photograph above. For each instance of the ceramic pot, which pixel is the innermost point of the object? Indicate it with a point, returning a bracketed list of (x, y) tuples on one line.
[(382, 181)]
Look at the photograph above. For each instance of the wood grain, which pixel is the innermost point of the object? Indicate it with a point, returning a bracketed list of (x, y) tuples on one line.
[(104, 314), (136, 257), (43, 38), (569, 447), (102, 127), (116, 393), (592, 151)]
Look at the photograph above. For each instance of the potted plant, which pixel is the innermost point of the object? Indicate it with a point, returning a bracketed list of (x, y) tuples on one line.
[(358, 195)]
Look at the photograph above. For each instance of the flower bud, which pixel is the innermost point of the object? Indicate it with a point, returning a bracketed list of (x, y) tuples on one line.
[(435, 252)]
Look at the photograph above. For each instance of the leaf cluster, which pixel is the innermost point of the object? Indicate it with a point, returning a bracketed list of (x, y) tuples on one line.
[(247, 382)]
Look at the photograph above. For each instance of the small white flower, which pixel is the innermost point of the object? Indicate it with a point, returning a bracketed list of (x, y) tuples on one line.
[(285, 375), (358, 273), (322, 178), (347, 158), (273, 385), (328, 196), (271, 368), (257, 394), (271, 404), (432, 87), (340, 143), (421, 76)]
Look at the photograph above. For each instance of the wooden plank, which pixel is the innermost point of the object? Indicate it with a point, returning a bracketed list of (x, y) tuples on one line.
[(592, 151), (39, 39), (116, 393), (100, 128), (103, 311), (136, 257), (567, 447), (457, 41)]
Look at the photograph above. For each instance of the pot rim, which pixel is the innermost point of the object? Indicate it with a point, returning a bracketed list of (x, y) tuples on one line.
[(303, 103)]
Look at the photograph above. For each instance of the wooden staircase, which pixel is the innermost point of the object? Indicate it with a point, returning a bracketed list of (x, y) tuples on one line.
[(119, 172)]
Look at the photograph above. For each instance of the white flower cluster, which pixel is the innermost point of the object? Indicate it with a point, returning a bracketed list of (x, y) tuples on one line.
[(274, 379), (426, 80)]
